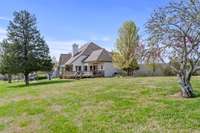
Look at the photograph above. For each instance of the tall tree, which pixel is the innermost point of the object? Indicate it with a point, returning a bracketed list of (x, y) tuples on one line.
[(125, 55), (8, 63), (175, 35), (31, 50)]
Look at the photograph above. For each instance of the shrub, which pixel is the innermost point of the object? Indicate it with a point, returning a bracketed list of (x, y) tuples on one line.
[(168, 71)]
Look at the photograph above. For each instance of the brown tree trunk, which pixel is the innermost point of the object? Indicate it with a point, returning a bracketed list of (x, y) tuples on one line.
[(26, 75), (49, 76), (130, 72), (186, 87), (9, 78), (186, 90)]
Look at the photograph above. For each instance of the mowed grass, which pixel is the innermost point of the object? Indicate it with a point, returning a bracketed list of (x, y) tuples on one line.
[(101, 105)]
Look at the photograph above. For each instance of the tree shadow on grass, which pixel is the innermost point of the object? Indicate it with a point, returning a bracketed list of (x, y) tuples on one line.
[(41, 83), (196, 94), (178, 95)]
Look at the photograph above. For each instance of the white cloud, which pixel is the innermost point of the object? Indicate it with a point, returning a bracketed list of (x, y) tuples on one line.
[(2, 37), (100, 38), (4, 18), (106, 42), (106, 39), (3, 33)]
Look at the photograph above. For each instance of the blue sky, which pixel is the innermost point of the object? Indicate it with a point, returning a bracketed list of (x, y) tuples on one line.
[(63, 22)]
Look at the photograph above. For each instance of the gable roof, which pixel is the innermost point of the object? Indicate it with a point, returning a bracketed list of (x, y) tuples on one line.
[(64, 58), (100, 55), (85, 50)]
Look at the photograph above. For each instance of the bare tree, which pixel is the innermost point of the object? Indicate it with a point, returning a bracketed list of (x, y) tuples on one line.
[(175, 36)]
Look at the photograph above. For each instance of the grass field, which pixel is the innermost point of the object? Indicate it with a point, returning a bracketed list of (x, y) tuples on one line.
[(102, 105)]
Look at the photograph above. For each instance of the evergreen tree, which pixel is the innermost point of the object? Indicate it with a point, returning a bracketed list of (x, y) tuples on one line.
[(8, 64), (30, 49)]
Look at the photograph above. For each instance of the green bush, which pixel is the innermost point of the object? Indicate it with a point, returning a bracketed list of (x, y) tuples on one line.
[(41, 77), (168, 71)]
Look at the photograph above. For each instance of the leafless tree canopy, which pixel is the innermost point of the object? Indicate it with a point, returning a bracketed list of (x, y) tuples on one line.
[(175, 34)]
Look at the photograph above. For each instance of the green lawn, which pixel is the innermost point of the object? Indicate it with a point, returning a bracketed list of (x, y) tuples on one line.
[(102, 105)]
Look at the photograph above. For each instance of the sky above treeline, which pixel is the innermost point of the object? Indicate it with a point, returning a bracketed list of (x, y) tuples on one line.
[(64, 22)]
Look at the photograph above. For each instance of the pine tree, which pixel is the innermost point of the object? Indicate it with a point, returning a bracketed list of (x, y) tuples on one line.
[(31, 50), (8, 64)]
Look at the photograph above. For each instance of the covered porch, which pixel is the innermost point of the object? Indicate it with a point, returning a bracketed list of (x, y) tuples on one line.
[(84, 71)]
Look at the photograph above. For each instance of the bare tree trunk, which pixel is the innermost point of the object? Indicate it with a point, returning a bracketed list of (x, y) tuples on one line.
[(130, 72), (9, 78), (26, 75), (186, 87), (49, 76)]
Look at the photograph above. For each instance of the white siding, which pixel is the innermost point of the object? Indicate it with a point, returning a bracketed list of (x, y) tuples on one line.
[(109, 69), (78, 62)]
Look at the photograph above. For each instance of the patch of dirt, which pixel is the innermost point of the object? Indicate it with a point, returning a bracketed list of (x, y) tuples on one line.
[(91, 109), (22, 97), (176, 95), (32, 124), (57, 108)]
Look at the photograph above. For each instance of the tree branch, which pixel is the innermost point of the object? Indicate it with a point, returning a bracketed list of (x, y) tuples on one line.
[(196, 69)]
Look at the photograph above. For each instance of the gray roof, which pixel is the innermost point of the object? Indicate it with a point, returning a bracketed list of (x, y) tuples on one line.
[(86, 50), (100, 55), (64, 58)]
